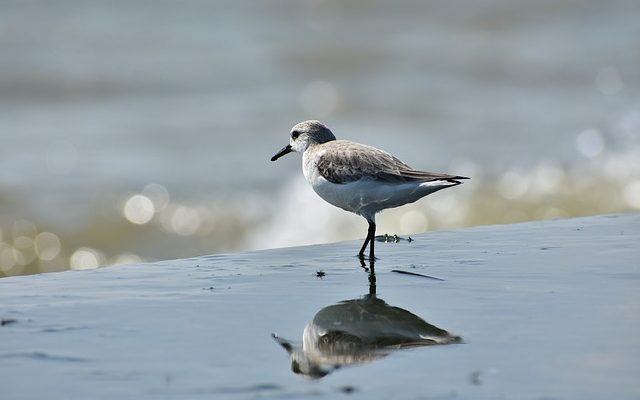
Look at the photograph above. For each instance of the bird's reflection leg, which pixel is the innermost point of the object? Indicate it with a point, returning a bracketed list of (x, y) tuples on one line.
[(372, 275)]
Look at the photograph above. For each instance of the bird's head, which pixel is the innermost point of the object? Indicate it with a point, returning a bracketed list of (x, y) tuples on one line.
[(305, 134)]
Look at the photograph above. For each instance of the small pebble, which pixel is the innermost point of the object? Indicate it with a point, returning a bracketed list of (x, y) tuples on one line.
[(348, 389)]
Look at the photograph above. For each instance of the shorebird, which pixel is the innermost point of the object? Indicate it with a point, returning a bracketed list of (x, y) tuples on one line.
[(359, 331), (359, 178)]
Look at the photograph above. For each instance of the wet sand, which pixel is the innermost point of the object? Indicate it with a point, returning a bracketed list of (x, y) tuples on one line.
[(535, 310)]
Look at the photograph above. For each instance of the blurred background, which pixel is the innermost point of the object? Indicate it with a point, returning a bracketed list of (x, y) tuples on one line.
[(142, 130)]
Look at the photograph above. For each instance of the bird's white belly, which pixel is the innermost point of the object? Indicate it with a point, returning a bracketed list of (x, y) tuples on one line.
[(367, 197), (346, 195)]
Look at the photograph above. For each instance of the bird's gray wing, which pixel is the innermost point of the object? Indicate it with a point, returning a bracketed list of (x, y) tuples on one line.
[(343, 162)]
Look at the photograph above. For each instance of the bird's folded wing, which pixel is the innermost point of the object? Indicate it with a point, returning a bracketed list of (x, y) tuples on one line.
[(353, 161)]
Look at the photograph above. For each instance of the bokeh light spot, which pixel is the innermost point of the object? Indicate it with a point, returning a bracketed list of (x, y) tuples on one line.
[(590, 143), (85, 258), (158, 194), (47, 246), (9, 257), (139, 209), (23, 227), (185, 221), (126, 258), (23, 242)]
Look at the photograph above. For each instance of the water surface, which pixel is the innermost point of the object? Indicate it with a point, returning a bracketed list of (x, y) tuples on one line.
[(545, 310), (538, 103)]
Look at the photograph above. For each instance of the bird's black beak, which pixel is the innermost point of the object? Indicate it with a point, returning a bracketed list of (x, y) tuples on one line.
[(283, 342), (285, 150)]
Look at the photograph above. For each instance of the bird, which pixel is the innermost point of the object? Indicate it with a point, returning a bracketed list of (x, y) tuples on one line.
[(359, 178), (359, 331)]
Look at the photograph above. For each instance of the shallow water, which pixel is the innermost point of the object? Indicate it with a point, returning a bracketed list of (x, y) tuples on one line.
[(538, 103), (545, 309)]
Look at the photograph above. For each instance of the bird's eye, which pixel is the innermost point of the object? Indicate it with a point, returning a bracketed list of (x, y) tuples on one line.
[(294, 135)]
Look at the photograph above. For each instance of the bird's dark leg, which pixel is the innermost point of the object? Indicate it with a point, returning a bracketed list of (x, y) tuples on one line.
[(371, 238), (366, 242)]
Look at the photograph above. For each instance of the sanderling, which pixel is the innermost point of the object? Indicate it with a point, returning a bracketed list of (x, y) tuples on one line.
[(359, 331), (359, 178)]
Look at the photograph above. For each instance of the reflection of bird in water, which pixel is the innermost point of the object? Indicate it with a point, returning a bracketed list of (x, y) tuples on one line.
[(357, 332)]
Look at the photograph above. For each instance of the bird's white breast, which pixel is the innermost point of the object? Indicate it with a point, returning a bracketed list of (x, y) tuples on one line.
[(310, 165), (340, 195)]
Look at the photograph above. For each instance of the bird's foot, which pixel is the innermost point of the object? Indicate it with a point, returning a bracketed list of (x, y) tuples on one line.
[(392, 238), (369, 258), (363, 265)]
